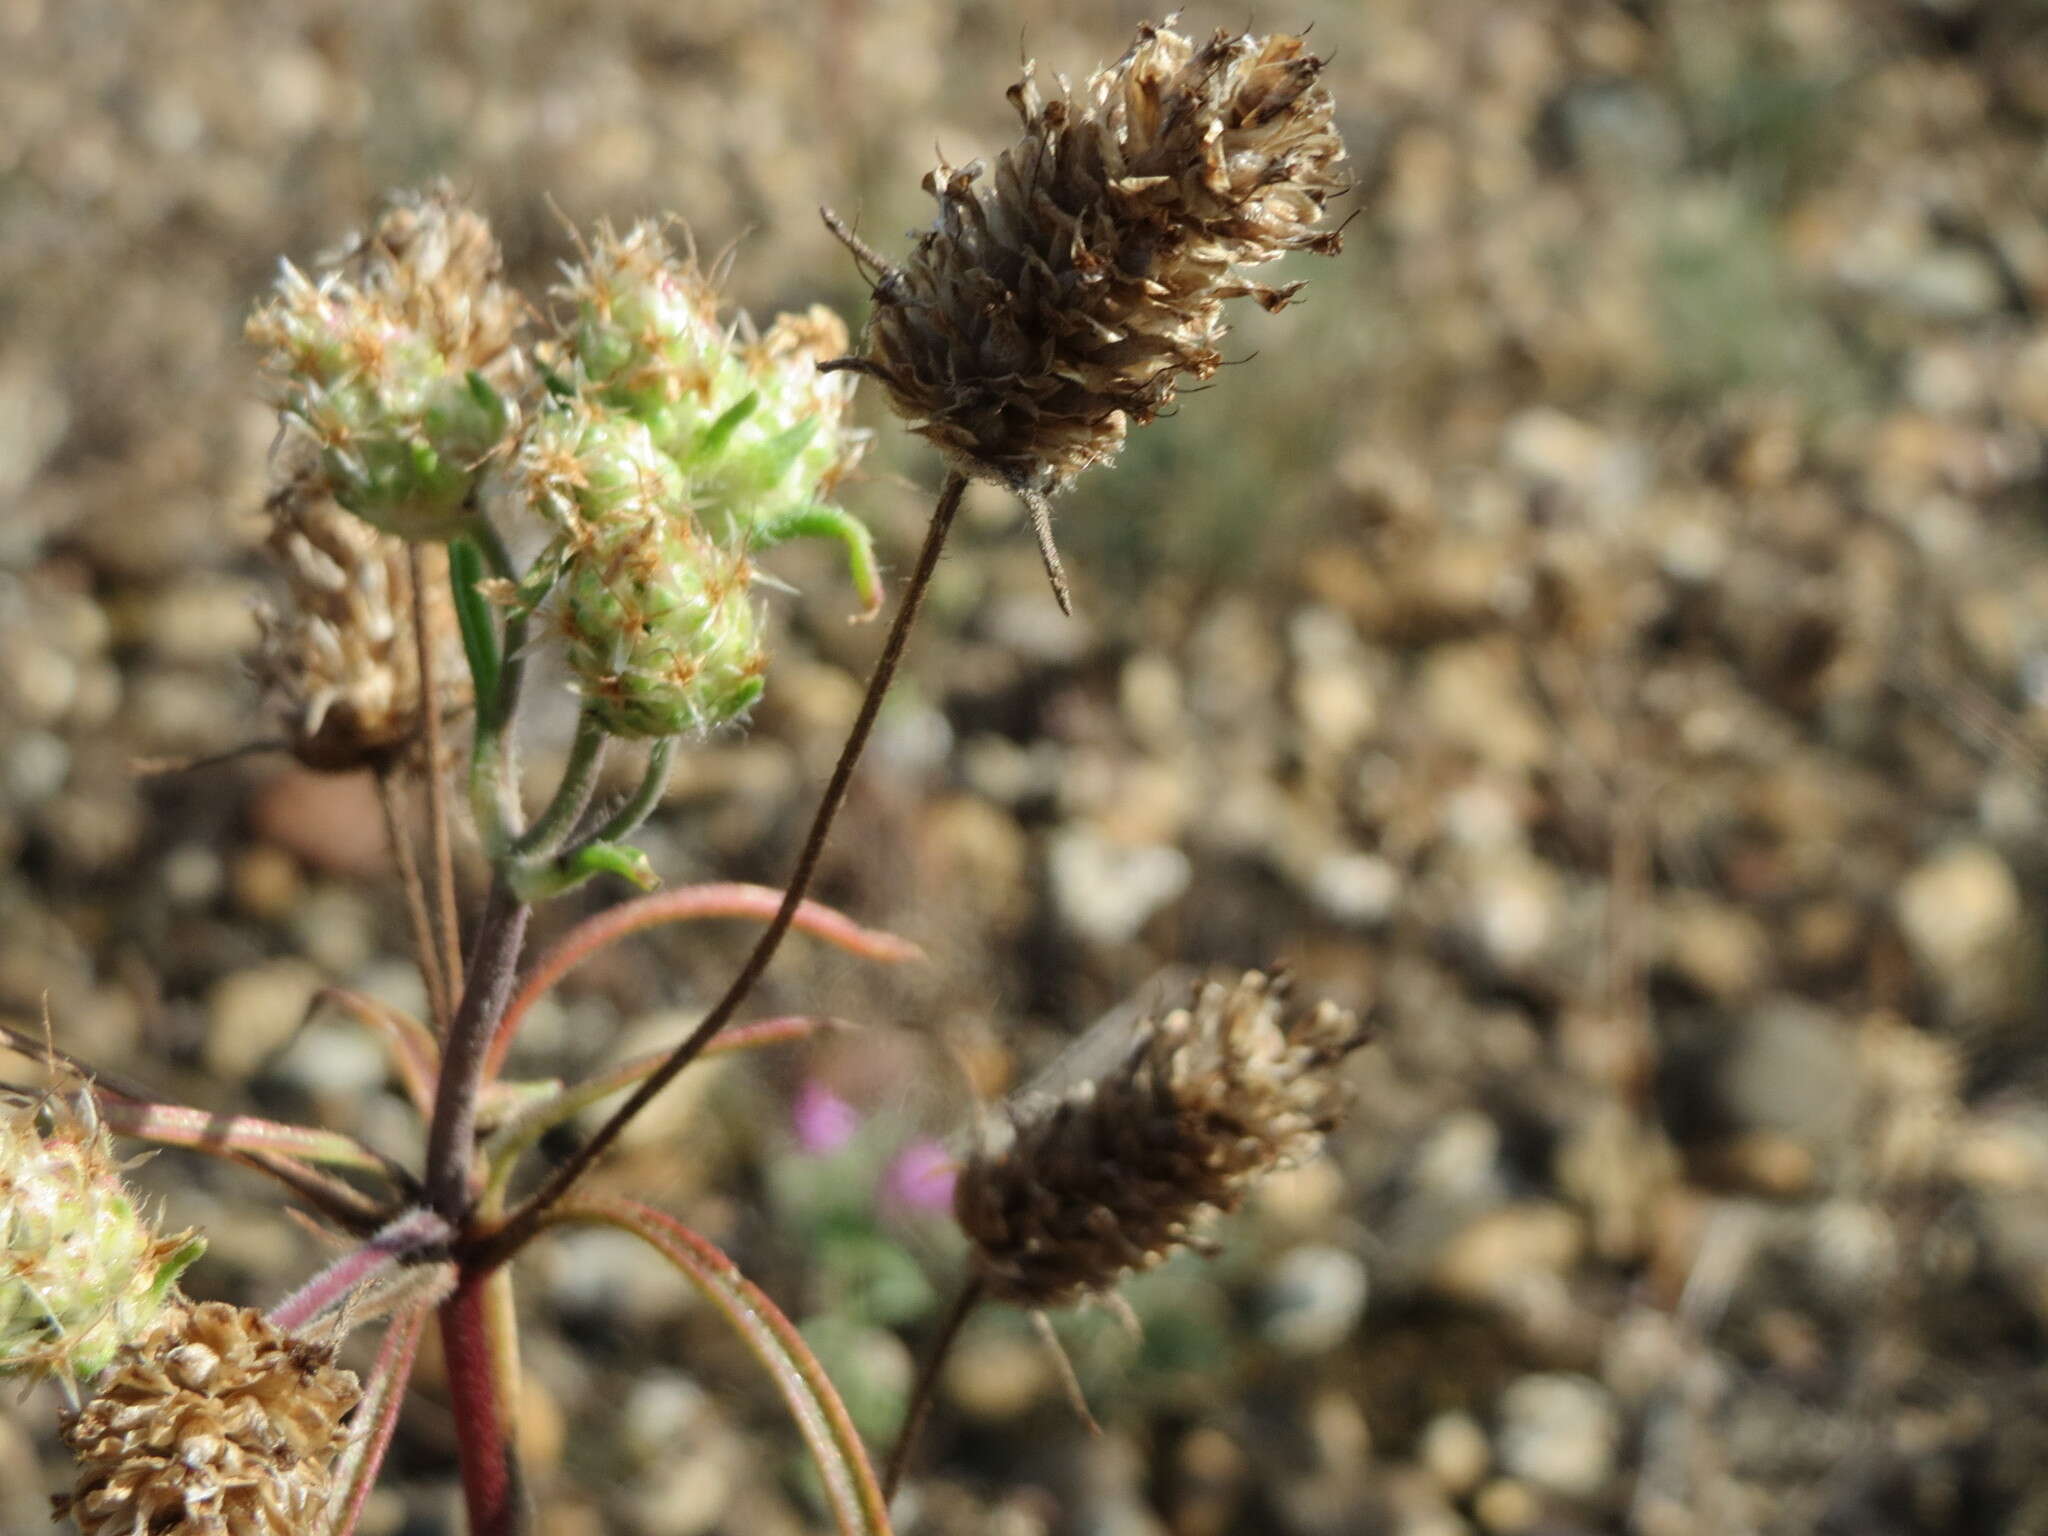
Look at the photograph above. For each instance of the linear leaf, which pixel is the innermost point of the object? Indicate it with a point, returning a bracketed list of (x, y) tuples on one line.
[(857, 1505)]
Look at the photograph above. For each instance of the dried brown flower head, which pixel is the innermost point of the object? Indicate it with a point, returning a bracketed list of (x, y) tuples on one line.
[(217, 1424), (433, 261), (339, 656), (1077, 1188), (1061, 300)]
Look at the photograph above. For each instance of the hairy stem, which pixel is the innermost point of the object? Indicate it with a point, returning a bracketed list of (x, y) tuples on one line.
[(628, 818), (412, 1235), (440, 840), (687, 903), (451, 1138), (493, 766), (523, 1222), (921, 1395), (355, 1474), (579, 779), (344, 1205)]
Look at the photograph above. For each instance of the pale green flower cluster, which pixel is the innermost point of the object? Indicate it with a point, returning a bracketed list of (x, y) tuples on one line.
[(401, 425), (674, 448), (661, 447), (84, 1271)]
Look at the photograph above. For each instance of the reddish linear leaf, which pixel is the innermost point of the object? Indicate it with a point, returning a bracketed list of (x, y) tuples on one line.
[(858, 1508)]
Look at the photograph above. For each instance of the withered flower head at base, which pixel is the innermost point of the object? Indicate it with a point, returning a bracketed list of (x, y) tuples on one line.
[(1077, 1188), (338, 656), (217, 1424), (1061, 300)]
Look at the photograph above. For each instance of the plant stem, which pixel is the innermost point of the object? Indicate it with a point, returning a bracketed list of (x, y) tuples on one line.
[(441, 841), (921, 1395), (682, 904), (414, 1233), (421, 920), (492, 1487), (343, 1204), (451, 1138), (525, 1221), (579, 778), (628, 818)]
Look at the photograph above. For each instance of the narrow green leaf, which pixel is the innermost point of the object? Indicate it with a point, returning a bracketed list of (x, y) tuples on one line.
[(817, 520), (479, 630), (171, 1125)]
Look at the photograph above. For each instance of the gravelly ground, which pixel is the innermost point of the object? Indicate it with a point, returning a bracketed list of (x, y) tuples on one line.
[(1603, 631)]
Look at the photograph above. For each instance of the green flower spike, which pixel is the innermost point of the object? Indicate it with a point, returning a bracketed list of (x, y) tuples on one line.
[(759, 433), (661, 633), (397, 365)]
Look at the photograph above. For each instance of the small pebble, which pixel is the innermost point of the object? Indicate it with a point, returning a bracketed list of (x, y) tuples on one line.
[(1559, 1431), (1312, 1299), (1456, 1451)]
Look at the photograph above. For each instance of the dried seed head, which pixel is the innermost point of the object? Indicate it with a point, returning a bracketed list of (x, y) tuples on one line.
[(217, 1424), (1060, 301), (1077, 1188), (339, 656), (82, 1270), (396, 366)]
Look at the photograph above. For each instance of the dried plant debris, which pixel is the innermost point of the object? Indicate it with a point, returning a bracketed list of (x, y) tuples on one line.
[(1061, 301), (338, 655), (1075, 1189), (216, 1424)]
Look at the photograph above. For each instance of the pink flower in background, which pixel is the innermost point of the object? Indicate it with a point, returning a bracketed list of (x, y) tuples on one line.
[(823, 1121), (920, 1178)]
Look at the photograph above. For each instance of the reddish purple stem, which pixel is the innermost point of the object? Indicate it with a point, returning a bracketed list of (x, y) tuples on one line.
[(414, 1233)]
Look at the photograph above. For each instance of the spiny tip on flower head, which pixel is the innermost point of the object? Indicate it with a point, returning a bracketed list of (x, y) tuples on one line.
[(85, 1271), (587, 467), (434, 260), (643, 333), (338, 655), (801, 403), (1076, 1188), (1061, 300), (389, 364), (216, 1424)]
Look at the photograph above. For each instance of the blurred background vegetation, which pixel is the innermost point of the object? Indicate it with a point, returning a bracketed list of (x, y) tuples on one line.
[(1603, 629)]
